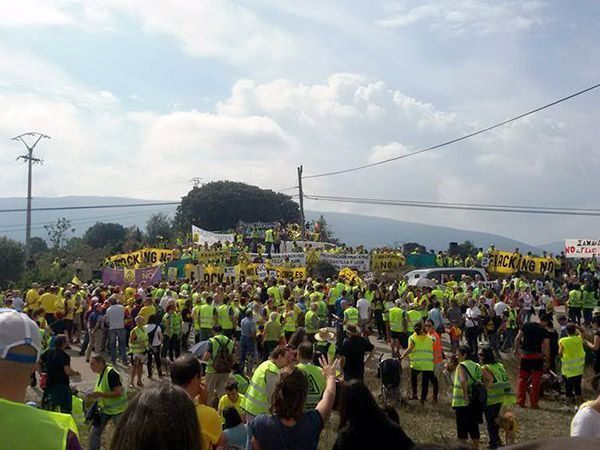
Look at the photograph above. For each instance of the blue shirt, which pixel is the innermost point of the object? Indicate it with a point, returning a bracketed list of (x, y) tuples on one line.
[(236, 435), (248, 327), (272, 434), (435, 315)]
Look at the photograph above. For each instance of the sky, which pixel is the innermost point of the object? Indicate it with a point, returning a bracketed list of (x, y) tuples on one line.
[(141, 96)]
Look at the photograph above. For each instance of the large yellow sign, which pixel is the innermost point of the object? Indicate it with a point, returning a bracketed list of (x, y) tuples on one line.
[(509, 263), (145, 257)]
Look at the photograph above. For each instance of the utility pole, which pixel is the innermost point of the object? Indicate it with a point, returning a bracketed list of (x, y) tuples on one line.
[(31, 160), (301, 197), (196, 181)]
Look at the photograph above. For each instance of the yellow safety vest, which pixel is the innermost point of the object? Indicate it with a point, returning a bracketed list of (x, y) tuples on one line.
[(413, 318), (310, 320), (24, 427), (224, 318), (256, 401), (474, 370), (573, 357), (396, 316), (140, 345), (316, 384), (207, 316), (421, 357), (501, 391), (351, 316), (113, 405)]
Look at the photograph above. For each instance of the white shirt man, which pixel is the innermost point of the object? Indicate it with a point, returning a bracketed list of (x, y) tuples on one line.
[(499, 308), (473, 316), (364, 309)]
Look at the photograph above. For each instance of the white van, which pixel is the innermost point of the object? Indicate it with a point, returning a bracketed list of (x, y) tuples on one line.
[(455, 273)]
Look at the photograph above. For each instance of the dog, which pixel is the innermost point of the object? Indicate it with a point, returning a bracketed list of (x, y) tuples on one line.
[(508, 424)]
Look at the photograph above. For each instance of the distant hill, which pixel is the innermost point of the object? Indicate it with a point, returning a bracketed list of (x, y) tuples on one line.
[(553, 247), (353, 229)]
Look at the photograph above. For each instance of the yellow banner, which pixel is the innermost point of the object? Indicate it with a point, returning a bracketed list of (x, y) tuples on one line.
[(210, 256), (145, 257), (509, 263), (387, 261)]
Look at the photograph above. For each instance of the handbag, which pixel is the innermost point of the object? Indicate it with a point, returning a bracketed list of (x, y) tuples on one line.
[(92, 415)]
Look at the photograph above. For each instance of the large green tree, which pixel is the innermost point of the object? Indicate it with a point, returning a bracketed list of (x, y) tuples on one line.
[(220, 205), (12, 261), (100, 235), (159, 226)]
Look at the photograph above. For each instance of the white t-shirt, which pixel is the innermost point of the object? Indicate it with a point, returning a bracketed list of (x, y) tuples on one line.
[(364, 308), (499, 308), (157, 339), (586, 423), (115, 315), (472, 317)]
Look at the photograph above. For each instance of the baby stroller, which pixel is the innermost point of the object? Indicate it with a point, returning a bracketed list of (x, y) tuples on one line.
[(389, 371)]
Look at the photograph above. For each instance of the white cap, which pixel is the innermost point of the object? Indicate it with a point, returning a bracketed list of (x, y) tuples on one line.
[(18, 329)]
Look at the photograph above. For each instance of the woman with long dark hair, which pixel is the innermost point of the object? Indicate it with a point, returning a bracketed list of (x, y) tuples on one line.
[(160, 417), (363, 424)]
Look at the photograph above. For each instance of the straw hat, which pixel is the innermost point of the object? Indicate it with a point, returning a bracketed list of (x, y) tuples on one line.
[(325, 335)]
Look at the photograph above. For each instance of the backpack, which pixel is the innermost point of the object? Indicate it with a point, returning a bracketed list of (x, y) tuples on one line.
[(477, 393), (223, 359), (389, 371)]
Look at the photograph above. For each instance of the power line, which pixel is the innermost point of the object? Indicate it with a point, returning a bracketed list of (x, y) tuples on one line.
[(453, 141), (67, 208), (451, 206)]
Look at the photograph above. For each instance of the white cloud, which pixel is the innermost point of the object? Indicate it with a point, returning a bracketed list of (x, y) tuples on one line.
[(468, 16)]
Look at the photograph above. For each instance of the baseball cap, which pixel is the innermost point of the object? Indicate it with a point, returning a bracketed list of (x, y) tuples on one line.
[(18, 329)]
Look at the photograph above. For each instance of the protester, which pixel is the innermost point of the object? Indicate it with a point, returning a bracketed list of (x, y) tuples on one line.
[(420, 354), (363, 424), (111, 396), (148, 422), (24, 427), (232, 398), (187, 373), (140, 345), (289, 426), (219, 364), (155, 339), (317, 381), (235, 431), (468, 414), (532, 346), (572, 358), (586, 422), (352, 353), (56, 365), (115, 317)]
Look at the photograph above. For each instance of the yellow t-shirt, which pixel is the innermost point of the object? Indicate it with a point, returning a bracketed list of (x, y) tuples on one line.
[(49, 302), (33, 299), (70, 308), (224, 402), (210, 426), (146, 312)]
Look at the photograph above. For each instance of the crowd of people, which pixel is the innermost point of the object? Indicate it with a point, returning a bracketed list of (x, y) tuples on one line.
[(262, 364)]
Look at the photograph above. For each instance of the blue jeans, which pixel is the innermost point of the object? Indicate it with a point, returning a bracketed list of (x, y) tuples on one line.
[(247, 350), (96, 431), (113, 335)]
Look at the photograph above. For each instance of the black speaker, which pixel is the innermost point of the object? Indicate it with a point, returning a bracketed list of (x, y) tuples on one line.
[(453, 248)]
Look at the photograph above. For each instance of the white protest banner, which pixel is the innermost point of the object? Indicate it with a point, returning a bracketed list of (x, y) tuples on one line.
[(297, 259), (582, 248), (360, 262), (200, 236)]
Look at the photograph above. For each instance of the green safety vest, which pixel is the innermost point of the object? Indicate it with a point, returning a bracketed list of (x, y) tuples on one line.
[(316, 384), (413, 318), (78, 411), (311, 322), (269, 235), (421, 357), (216, 343), (386, 310), (575, 299), (174, 324), (589, 299), (256, 400), (207, 316), (457, 391), (141, 344), (573, 357), (396, 315), (501, 391), (24, 427), (272, 331), (290, 321), (512, 318), (224, 317), (351, 316), (322, 310), (114, 405), (242, 382)]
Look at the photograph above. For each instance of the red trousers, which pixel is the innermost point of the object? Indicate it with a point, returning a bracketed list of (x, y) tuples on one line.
[(527, 378)]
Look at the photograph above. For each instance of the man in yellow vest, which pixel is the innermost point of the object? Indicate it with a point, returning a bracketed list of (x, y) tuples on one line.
[(466, 375), (572, 357), (314, 374), (111, 395), (207, 318), (219, 347), (420, 354), (398, 327), (226, 317), (311, 321), (24, 427)]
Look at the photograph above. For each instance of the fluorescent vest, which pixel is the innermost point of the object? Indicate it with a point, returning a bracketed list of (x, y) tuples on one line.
[(575, 300), (24, 427), (589, 300), (413, 318), (141, 342), (501, 391), (256, 401), (396, 315), (174, 326), (290, 322), (351, 316), (207, 316), (311, 322), (114, 405), (421, 357), (573, 357), (78, 411), (224, 318), (216, 343), (457, 391), (316, 384)]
